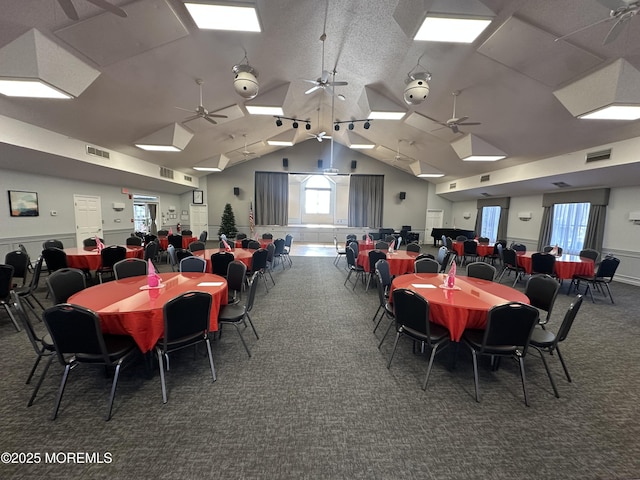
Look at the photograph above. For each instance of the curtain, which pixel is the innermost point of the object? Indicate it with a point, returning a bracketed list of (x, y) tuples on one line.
[(502, 224), (366, 195), (594, 235), (272, 198), (503, 203), (478, 227), (545, 227), (153, 212)]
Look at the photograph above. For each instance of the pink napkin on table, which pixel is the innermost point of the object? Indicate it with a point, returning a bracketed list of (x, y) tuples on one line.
[(451, 278), (227, 248), (153, 279), (170, 231), (99, 244), (369, 240)]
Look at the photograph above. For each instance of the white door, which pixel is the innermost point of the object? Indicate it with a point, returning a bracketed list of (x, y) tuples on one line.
[(434, 220), (198, 219), (88, 214)]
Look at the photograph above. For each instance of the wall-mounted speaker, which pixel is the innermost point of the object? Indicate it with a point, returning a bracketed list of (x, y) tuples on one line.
[(319, 163), (403, 195), (285, 163), (354, 164), (236, 191)]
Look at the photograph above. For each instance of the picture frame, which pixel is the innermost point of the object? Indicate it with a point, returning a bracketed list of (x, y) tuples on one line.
[(23, 204), (198, 197)]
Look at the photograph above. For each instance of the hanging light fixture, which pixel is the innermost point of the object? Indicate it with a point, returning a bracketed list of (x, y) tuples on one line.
[(245, 82)]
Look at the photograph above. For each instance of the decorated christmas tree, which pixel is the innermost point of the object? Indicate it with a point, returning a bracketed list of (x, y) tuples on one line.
[(228, 222)]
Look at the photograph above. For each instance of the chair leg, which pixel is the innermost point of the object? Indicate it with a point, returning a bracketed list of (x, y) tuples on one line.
[(213, 368), (13, 319), (386, 332), (609, 291), (564, 366), (242, 338), (348, 276), (113, 390), (33, 369), (524, 381), (433, 354), (42, 375), (162, 380), (252, 327), (475, 374), (546, 367), (63, 383), (393, 350)]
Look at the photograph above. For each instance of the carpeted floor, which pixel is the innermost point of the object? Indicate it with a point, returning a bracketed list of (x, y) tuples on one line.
[(316, 401)]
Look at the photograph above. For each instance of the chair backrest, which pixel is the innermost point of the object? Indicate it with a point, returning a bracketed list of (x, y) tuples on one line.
[(6, 281), (590, 253), (542, 291), (380, 245), (351, 257), (543, 263), (91, 242), (203, 236), (390, 239), (182, 253), (220, 263), (510, 325), (75, 330), (271, 250), (383, 270), (498, 249), (413, 247), (470, 247), (411, 310), (245, 242), (519, 247), (253, 286), (450, 243), (151, 250), (35, 278), (52, 244), (187, 233), (510, 257), (20, 263), (196, 246), (569, 317), (426, 265), (425, 255), (171, 254), (483, 240), (55, 258), (461, 238), (149, 237), (548, 248), (607, 268), (130, 267), (374, 256), (186, 316), (259, 260), (133, 241), (253, 245), (381, 288), (354, 246), (236, 271), (279, 244), (352, 237), (267, 236), (175, 240), (288, 241), (481, 270), (442, 252), (65, 282), (193, 264), (241, 236), (112, 254), (163, 233)]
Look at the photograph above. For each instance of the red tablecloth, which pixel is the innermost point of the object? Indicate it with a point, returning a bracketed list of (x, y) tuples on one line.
[(400, 261), (88, 258), (263, 242), (186, 241), (458, 309), (242, 254), (566, 266), (482, 249), (124, 309)]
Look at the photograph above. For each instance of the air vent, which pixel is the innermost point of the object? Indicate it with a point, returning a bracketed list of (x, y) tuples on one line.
[(166, 172), (187, 178), (452, 186), (485, 178), (597, 156), (96, 152), (485, 194), (561, 184)]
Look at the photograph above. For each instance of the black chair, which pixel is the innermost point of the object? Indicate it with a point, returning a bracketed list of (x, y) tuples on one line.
[(519, 247), (355, 246), (52, 244), (236, 276), (186, 324), (196, 246), (259, 265), (271, 250), (130, 267), (278, 254), (231, 244), (203, 236), (151, 251), (172, 258), (470, 249), (163, 233), (253, 245), (483, 240), (133, 241), (28, 292), (110, 256), (340, 252), (220, 263), (351, 237), (175, 240), (78, 339), (426, 265), (546, 341), (413, 247), (241, 236), (543, 263), (374, 256), (353, 267), (193, 264), (245, 242), (590, 253), (601, 280), (65, 282), (412, 320), (510, 264), (6, 284), (236, 314), (267, 236), (187, 233), (482, 270), (288, 243), (380, 245), (507, 334), (385, 309), (20, 263), (148, 238), (461, 238), (182, 253), (549, 248), (55, 258), (91, 242), (542, 291)]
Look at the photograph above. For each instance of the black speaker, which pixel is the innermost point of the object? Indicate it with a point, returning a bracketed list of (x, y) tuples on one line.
[(319, 163), (354, 164), (236, 191), (285, 162), (403, 195)]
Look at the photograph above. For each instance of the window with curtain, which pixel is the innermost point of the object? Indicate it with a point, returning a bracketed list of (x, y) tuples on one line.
[(569, 226), (317, 195), (366, 197), (490, 220)]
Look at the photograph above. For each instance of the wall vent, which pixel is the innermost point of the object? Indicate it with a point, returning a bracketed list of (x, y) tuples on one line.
[(96, 152), (187, 178), (485, 178), (485, 194), (452, 186), (597, 156), (166, 172), (561, 184)]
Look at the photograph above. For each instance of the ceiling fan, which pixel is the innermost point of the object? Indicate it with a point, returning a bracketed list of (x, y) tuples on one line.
[(326, 81), (246, 153), (621, 11), (200, 111), (71, 12), (398, 157), (454, 122), (322, 135)]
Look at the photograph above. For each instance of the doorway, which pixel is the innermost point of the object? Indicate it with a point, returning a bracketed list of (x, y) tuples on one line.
[(88, 215)]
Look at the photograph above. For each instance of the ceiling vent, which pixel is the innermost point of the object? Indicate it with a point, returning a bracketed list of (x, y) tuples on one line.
[(188, 178), (166, 173), (561, 184), (485, 194), (597, 156), (96, 152), (452, 186), (485, 178)]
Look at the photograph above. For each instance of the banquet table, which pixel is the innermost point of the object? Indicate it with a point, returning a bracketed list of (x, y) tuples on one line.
[(483, 249), (400, 261), (263, 242), (464, 307), (566, 266), (242, 254), (126, 308), (186, 241), (88, 258)]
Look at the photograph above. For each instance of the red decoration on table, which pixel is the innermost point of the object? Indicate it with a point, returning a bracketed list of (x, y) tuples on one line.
[(451, 277)]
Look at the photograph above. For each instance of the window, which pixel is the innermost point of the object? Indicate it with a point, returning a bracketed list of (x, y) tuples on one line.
[(490, 220), (569, 226), (317, 195)]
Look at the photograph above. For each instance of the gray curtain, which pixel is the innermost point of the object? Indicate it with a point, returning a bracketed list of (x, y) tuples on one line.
[(545, 227), (478, 227), (594, 235), (272, 198), (153, 212), (503, 223), (366, 199)]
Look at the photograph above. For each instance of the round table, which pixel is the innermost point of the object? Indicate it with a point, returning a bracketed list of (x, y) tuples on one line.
[(464, 307), (400, 261), (88, 258), (126, 309), (566, 266), (242, 254)]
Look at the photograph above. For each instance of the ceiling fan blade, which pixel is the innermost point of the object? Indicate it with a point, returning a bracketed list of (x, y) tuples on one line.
[(188, 119), (319, 138), (436, 121), (469, 123), (454, 128), (338, 84), (312, 89), (185, 109), (325, 76), (458, 120), (215, 115), (328, 89), (69, 9), (210, 120), (322, 134), (315, 82), (103, 4), (615, 30)]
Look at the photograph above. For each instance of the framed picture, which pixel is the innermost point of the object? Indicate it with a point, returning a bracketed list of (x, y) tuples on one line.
[(23, 204), (198, 197)]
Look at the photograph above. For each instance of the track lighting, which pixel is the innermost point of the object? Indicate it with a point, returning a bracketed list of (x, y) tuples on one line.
[(278, 123), (295, 125), (351, 126), (336, 127), (366, 125), (308, 126)]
